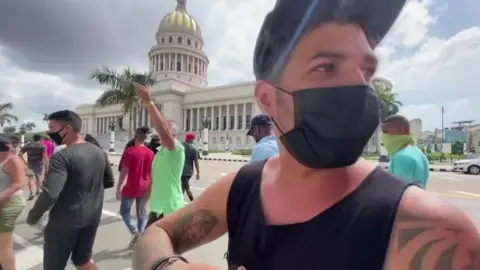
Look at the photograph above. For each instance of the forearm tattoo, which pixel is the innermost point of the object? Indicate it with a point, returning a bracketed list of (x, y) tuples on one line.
[(425, 243), (192, 229)]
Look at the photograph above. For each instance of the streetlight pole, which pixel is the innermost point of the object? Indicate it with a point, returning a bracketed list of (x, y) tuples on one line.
[(443, 131), (112, 126), (22, 130), (206, 126)]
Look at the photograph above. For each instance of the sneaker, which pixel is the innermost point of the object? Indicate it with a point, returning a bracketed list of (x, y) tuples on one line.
[(134, 241)]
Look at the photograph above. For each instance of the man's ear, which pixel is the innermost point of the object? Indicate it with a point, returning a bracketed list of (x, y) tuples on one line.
[(265, 96)]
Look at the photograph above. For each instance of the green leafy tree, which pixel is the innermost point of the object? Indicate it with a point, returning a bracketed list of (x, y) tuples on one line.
[(45, 117), (120, 89), (6, 117), (389, 105), (9, 129), (457, 148), (30, 126)]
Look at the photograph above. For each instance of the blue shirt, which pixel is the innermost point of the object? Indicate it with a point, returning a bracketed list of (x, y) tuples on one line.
[(266, 148), (410, 164)]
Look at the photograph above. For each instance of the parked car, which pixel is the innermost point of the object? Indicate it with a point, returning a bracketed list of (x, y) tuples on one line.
[(383, 162), (468, 166)]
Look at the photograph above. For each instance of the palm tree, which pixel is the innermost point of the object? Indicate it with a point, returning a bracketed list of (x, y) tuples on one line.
[(45, 117), (120, 90), (389, 105), (5, 116), (30, 126)]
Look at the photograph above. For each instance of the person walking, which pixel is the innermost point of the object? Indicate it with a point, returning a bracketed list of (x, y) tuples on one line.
[(37, 163), (134, 182), (166, 194), (89, 138), (49, 145), (154, 143), (191, 159), (318, 204), (407, 160), (266, 143), (73, 192), (12, 202)]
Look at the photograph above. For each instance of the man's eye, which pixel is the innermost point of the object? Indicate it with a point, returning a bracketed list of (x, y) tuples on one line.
[(326, 68)]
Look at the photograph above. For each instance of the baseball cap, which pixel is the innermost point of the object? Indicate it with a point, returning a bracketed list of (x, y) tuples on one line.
[(259, 120), (189, 136), (289, 20)]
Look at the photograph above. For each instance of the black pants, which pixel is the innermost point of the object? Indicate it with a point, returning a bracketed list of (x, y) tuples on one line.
[(60, 244), (153, 217)]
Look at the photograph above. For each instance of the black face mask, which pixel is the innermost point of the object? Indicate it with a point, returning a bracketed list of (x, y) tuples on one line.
[(332, 125), (56, 137)]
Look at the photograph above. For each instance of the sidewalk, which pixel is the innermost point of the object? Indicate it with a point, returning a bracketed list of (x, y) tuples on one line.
[(228, 157)]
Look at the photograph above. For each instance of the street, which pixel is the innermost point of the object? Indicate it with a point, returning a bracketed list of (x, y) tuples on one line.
[(113, 237)]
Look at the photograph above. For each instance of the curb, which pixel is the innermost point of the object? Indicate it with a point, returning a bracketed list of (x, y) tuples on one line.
[(224, 159), (432, 169)]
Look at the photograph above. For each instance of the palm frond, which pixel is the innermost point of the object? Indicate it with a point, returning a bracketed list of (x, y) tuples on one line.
[(7, 117), (6, 106), (110, 97)]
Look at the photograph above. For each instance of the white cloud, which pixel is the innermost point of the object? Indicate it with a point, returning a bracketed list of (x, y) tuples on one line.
[(440, 71)]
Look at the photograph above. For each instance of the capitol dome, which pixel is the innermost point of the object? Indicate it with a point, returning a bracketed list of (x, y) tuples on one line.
[(180, 21)]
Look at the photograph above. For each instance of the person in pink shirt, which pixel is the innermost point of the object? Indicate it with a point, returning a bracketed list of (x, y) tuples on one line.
[(49, 145)]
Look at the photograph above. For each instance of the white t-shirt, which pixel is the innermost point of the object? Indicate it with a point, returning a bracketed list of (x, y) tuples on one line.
[(58, 148)]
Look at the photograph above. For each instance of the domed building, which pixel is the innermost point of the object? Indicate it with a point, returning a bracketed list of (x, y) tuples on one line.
[(180, 67)]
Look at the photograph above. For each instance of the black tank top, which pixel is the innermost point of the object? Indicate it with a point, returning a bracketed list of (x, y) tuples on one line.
[(352, 234)]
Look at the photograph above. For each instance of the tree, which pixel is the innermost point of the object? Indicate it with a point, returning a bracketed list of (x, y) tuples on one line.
[(45, 117), (389, 105), (9, 129), (120, 89), (5, 114), (30, 126), (457, 148)]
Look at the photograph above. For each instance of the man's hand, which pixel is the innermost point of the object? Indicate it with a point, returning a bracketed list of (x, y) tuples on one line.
[(143, 93), (198, 176), (119, 194)]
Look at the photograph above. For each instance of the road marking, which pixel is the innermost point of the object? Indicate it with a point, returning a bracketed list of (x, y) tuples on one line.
[(29, 256), (467, 194), (451, 178), (198, 188)]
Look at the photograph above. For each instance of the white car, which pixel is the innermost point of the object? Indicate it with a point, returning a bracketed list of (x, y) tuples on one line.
[(470, 166)]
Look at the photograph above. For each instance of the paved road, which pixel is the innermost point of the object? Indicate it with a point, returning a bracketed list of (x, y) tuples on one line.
[(113, 237)]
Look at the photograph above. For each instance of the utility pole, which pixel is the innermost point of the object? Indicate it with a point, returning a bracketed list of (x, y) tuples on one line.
[(443, 131)]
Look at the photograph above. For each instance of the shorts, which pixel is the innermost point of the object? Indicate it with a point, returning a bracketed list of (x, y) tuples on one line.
[(10, 211), (37, 171), (61, 243), (185, 182)]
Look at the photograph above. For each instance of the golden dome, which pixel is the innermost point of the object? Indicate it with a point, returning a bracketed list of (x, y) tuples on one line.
[(180, 20)]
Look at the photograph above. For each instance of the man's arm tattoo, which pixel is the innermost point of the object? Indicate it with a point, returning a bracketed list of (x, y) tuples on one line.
[(431, 244), (192, 230)]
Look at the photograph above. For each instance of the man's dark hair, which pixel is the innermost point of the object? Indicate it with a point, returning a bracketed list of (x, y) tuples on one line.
[(37, 137), (280, 25), (142, 132), (67, 117)]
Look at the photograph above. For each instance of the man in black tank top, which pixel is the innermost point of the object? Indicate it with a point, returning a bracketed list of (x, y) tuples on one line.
[(318, 205)]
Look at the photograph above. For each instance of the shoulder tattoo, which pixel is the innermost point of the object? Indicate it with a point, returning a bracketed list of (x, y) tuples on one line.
[(192, 229), (433, 243)]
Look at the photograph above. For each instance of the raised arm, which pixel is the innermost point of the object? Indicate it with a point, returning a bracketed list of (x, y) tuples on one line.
[(431, 234), (199, 223), (161, 125)]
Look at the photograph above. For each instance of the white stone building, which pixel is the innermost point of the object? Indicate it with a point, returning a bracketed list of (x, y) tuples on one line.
[(180, 66)]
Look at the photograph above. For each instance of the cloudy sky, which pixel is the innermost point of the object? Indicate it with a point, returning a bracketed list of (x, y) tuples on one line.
[(49, 47)]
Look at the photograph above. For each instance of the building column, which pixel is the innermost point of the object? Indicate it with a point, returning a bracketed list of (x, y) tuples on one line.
[(235, 126), (213, 119), (244, 116), (185, 120), (228, 117), (198, 119), (220, 118), (190, 121)]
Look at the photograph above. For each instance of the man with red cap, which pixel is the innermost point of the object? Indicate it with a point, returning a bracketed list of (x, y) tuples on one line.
[(191, 158)]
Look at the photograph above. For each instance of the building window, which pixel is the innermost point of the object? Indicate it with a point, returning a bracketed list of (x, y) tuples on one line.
[(180, 41), (163, 40), (217, 121), (232, 122), (248, 121), (161, 66), (189, 42), (239, 125), (196, 70), (189, 67), (196, 45), (170, 39), (179, 66), (224, 123)]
